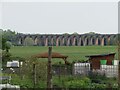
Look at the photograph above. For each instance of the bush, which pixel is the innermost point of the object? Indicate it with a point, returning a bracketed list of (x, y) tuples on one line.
[(24, 83), (5, 57), (71, 82), (41, 70), (98, 86), (78, 83)]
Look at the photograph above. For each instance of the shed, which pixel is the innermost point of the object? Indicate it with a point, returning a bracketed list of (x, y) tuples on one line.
[(95, 59)]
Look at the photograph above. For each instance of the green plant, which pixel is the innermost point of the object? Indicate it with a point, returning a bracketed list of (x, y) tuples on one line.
[(71, 82), (98, 86)]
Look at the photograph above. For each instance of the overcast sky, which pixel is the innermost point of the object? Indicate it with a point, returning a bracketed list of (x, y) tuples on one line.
[(51, 17)]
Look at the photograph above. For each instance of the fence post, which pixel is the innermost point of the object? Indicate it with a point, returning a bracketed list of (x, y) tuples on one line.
[(49, 68), (59, 70), (73, 68), (34, 73), (119, 74)]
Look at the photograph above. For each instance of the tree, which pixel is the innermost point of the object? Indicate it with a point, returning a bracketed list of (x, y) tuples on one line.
[(28, 41), (0, 38), (7, 37), (91, 33), (8, 46), (34, 70), (75, 33)]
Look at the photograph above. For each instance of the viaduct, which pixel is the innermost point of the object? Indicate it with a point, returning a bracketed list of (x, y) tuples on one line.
[(68, 40)]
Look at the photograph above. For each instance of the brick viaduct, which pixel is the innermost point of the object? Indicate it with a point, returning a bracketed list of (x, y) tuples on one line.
[(68, 40)]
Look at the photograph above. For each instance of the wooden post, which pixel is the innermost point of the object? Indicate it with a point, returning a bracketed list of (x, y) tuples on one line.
[(59, 70), (34, 73), (20, 70), (119, 64), (119, 43), (119, 75), (119, 59), (49, 68)]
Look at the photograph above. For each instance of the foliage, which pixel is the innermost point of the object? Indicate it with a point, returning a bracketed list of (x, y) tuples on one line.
[(71, 82), (24, 83), (75, 33), (8, 45), (96, 76), (5, 36), (41, 84), (3, 47), (98, 86), (5, 57), (119, 59), (78, 83), (6, 40), (27, 69), (9, 35), (28, 42)]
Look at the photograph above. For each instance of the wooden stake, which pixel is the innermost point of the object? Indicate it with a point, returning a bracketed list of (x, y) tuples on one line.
[(49, 68), (34, 73)]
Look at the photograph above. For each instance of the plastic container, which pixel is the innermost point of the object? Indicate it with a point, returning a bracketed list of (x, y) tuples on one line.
[(103, 62), (115, 62)]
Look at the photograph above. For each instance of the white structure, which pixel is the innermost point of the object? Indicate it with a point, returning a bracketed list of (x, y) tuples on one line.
[(107, 70), (111, 70), (14, 87), (13, 64), (81, 68), (116, 62)]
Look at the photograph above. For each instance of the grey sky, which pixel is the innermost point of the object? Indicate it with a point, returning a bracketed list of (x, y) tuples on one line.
[(60, 17)]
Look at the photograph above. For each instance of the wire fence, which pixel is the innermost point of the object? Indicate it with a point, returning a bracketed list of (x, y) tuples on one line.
[(84, 69)]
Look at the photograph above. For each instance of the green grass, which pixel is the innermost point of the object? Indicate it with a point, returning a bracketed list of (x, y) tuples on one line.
[(75, 53)]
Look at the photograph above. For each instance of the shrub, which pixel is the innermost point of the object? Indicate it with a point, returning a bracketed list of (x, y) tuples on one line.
[(71, 82)]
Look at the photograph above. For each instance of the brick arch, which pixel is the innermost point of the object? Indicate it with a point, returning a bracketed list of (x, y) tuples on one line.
[(49, 41), (98, 40), (76, 40), (20, 40), (58, 41), (37, 40), (94, 40), (84, 40), (68, 41), (112, 39), (62, 41), (30, 37), (52, 41), (90, 40), (79, 40), (44, 40), (71, 40), (106, 39)]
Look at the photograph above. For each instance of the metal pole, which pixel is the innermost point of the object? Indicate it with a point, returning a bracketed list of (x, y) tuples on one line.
[(49, 68)]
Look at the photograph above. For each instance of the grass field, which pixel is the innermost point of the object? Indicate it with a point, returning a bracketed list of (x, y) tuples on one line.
[(75, 53)]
